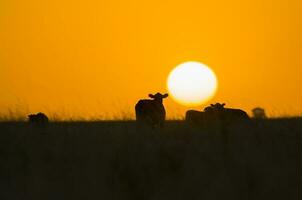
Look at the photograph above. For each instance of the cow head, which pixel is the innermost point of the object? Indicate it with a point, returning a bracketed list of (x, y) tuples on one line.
[(158, 97), (218, 106)]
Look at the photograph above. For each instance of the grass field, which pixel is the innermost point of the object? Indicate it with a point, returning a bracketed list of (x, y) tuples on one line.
[(261, 159)]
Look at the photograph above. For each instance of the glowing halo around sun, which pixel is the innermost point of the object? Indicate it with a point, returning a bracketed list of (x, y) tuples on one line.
[(192, 83)]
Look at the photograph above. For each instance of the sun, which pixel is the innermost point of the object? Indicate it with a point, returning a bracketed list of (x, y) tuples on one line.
[(192, 83)]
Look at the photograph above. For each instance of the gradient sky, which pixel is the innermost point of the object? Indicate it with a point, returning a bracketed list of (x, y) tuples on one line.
[(97, 58)]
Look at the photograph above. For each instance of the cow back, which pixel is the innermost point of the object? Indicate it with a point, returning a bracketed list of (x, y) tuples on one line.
[(194, 116), (150, 111), (235, 114)]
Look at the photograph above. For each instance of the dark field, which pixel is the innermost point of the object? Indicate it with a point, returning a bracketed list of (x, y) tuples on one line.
[(116, 160)]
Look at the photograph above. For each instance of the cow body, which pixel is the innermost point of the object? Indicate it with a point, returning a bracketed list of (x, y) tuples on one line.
[(151, 111), (196, 117), (216, 114), (231, 114), (39, 118)]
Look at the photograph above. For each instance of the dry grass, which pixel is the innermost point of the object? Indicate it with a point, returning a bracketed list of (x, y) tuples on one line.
[(116, 160)]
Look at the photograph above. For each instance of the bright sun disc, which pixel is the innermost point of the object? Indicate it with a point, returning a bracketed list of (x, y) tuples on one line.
[(192, 83)]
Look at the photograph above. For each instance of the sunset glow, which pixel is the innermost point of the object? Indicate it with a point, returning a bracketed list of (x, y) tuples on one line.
[(192, 83)]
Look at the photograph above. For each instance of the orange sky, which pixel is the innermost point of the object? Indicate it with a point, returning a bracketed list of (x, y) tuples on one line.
[(97, 58)]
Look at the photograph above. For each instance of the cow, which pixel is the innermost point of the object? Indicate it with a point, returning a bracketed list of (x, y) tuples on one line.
[(39, 118), (151, 111), (221, 113), (196, 117), (215, 113)]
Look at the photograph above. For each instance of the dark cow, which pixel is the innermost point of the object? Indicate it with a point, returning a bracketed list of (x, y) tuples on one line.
[(221, 113), (215, 113), (196, 117), (151, 111), (39, 118)]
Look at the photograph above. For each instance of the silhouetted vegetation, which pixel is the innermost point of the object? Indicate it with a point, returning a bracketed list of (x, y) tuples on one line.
[(259, 113), (258, 160)]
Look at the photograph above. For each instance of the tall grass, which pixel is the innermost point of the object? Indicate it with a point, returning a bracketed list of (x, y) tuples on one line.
[(13, 114), (120, 111), (121, 115)]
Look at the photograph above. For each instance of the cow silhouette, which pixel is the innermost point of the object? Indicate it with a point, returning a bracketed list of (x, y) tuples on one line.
[(39, 118), (151, 111), (196, 117), (220, 112), (216, 113)]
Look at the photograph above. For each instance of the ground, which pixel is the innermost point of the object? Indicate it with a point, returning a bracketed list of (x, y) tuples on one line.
[(260, 159)]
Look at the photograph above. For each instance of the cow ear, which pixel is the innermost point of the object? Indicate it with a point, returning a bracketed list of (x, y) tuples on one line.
[(151, 96), (212, 104), (165, 95)]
